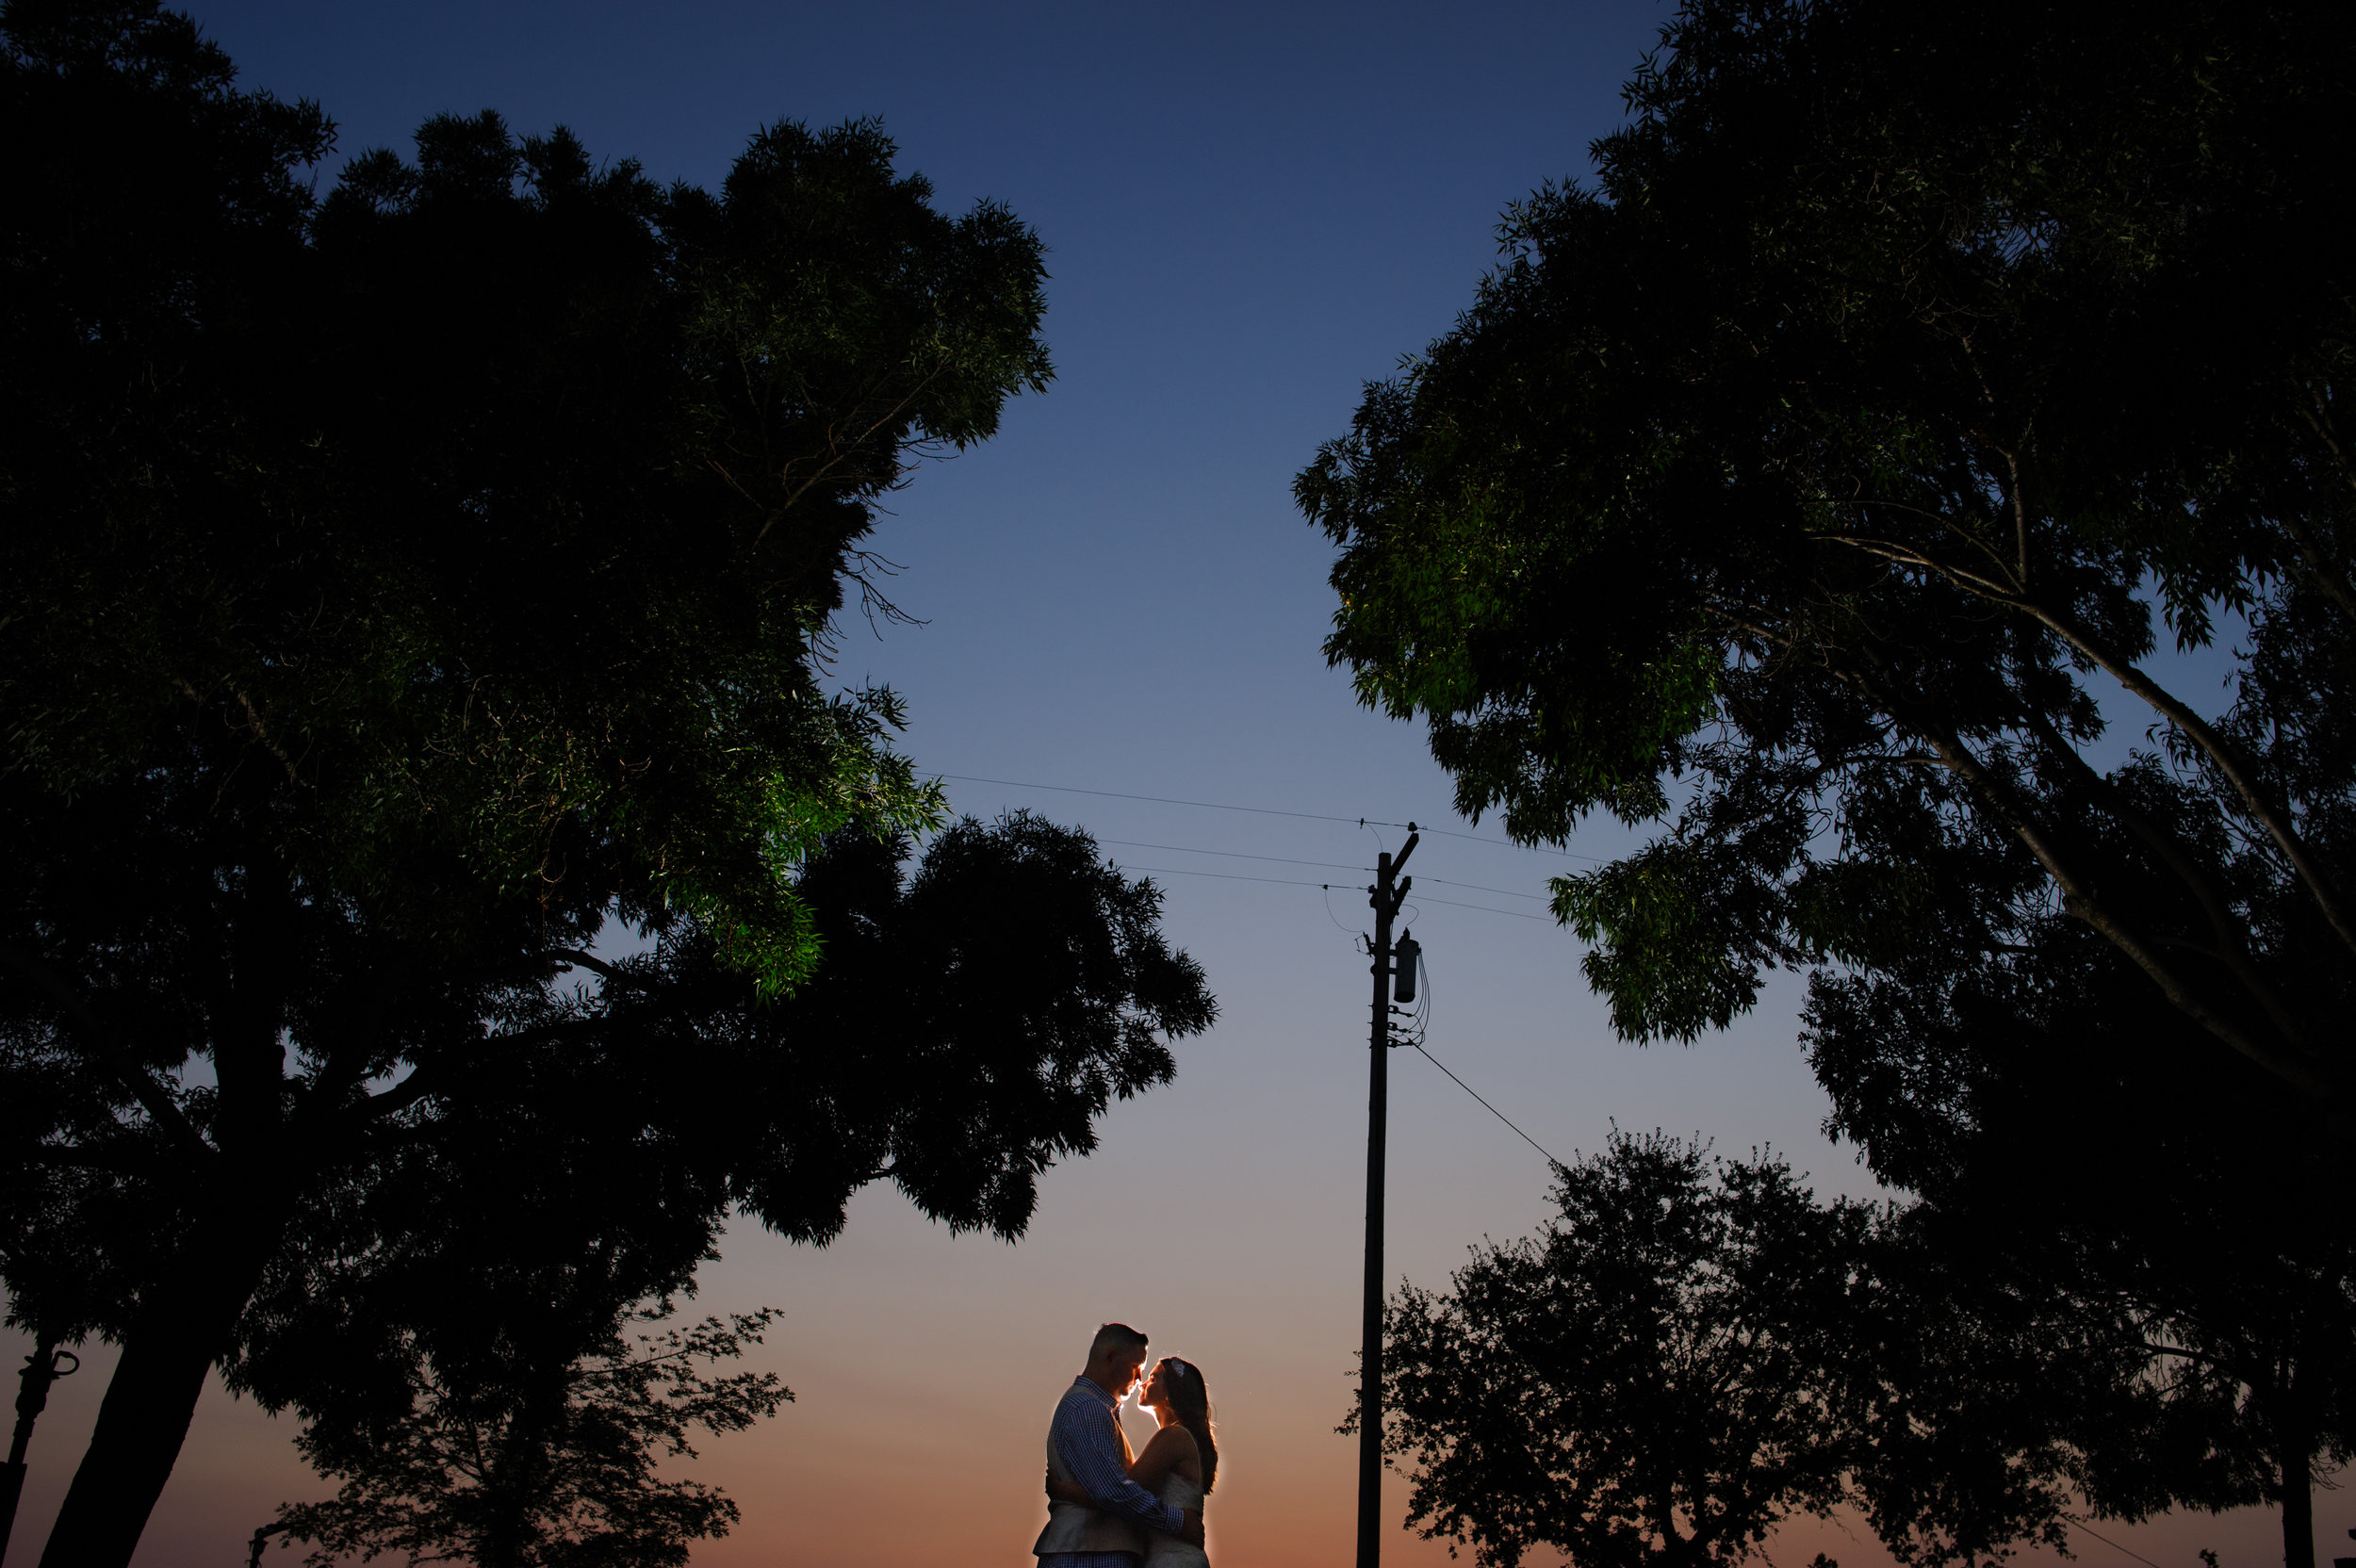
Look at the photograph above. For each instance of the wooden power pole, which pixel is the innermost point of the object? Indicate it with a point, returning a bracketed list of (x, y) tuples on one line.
[(45, 1365), (1386, 900)]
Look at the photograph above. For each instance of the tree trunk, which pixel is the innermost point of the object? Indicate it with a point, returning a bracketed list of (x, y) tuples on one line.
[(2299, 1510), (187, 1316), (186, 1324)]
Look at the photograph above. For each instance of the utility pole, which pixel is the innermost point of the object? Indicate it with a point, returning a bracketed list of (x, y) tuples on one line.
[(1386, 900), (45, 1365)]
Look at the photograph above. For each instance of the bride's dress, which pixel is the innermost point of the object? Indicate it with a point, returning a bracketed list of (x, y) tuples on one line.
[(1167, 1551)]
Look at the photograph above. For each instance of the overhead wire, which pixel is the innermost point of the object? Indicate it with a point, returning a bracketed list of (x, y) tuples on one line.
[(1261, 811), (2077, 1522), (1326, 887), (1365, 823), (1158, 800), (1229, 877), (1511, 914), (1334, 865), (1491, 1109), (1421, 1025), (1238, 855), (1502, 893), (1484, 838), (1337, 865)]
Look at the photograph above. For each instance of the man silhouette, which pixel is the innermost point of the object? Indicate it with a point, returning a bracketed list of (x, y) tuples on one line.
[(1085, 1446)]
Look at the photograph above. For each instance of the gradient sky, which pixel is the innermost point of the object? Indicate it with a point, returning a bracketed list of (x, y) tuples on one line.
[(1250, 209)]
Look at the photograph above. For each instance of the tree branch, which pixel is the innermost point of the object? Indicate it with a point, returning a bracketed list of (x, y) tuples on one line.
[(2275, 822), (2335, 585), (427, 1079), (2078, 899), (584, 961), (2273, 818), (2232, 952)]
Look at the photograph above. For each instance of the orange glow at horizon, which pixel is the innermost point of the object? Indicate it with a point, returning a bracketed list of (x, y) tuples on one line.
[(901, 1461)]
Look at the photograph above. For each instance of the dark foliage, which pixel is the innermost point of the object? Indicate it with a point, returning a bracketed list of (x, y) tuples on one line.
[(1806, 481), (1818, 487), (508, 1465), (1642, 1383), (404, 588), (1698, 1350)]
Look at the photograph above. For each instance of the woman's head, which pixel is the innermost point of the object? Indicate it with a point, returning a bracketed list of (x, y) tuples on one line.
[(1177, 1386)]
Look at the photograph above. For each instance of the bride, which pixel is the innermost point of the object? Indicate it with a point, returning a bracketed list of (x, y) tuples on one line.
[(1179, 1465)]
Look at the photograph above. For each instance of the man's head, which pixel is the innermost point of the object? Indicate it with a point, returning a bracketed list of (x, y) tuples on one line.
[(1116, 1356)]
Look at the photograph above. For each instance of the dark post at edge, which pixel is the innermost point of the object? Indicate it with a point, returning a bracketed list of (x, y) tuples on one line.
[(1386, 902), (45, 1365)]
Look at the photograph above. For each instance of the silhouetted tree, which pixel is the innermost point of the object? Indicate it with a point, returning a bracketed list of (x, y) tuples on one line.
[(1696, 1351), (967, 1024), (1803, 482), (1807, 487), (406, 586), (1643, 1383), (2182, 1307), (544, 1459)]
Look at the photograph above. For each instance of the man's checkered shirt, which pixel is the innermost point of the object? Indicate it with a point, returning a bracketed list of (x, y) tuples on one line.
[(1084, 1436)]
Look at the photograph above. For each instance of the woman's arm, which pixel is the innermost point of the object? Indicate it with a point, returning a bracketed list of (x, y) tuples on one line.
[(1171, 1446), (1067, 1492)]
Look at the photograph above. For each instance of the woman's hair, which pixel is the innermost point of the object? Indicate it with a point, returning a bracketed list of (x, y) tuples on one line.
[(1182, 1382)]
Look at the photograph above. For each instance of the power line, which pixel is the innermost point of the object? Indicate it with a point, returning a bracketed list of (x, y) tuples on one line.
[(1483, 839), (1514, 914), (1502, 892), (1419, 1027), (1229, 877), (1238, 854), (1502, 1116), (1263, 811), (1331, 865), (1289, 882), (2107, 1541), (1158, 800)]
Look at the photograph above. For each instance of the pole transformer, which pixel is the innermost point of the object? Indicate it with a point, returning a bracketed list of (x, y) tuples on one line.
[(1385, 899)]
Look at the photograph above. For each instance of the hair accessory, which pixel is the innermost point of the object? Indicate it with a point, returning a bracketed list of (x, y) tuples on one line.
[(1176, 1365)]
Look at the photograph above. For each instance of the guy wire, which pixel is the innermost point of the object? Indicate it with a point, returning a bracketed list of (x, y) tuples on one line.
[(1421, 1023), (1485, 1105)]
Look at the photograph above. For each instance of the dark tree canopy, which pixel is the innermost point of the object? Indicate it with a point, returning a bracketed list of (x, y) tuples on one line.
[(410, 588), (541, 1458), (2169, 1265), (1821, 480), (1641, 1386), (967, 1024), (1696, 1351), (1817, 486)]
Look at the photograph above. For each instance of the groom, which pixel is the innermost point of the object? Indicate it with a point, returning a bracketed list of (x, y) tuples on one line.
[(1085, 1446)]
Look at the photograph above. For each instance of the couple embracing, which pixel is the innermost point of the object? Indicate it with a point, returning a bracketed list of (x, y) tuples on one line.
[(1107, 1507)]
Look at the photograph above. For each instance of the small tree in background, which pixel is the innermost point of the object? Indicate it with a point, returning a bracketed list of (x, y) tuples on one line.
[(1642, 1385), (545, 1461)]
